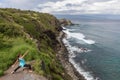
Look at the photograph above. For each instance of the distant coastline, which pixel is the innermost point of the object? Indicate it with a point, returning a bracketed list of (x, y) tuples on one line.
[(63, 53), (64, 59)]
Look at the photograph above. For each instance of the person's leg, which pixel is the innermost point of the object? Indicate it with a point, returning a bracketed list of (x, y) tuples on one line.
[(15, 69), (28, 65)]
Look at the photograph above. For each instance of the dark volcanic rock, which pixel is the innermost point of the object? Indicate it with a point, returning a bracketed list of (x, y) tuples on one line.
[(65, 22)]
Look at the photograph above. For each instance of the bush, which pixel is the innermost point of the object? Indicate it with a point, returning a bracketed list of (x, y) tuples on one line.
[(56, 77), (1, 72), (10, 29)]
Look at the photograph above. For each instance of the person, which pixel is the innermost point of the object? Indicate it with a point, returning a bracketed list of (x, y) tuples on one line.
[(22, 63)]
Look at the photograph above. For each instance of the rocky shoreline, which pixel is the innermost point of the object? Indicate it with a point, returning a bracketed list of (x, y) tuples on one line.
[(64, 59)]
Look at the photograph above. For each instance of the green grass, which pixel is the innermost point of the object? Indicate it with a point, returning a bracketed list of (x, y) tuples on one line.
[(16, 29), (10, 49)]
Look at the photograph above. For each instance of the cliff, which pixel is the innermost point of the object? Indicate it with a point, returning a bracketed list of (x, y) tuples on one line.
[(33, 31), (65, 22)]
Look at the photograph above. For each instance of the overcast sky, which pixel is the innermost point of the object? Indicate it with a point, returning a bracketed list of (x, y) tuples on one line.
[(66, 6)]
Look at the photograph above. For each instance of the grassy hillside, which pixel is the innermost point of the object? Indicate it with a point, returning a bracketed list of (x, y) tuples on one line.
[(33, 31)]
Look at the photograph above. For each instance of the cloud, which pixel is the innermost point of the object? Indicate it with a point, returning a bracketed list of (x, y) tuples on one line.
[(0, 4), (66, 6), (108, 7), (81, 7), (21, 4), (58, 6)]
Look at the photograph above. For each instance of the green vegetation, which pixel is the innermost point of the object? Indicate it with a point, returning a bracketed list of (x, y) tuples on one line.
[(33, 31)]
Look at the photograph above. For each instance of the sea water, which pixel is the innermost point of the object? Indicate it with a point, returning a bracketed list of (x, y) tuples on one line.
[(101, 40)]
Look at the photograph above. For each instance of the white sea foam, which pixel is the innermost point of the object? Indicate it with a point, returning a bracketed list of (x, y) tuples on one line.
[(79, 36), (64, 28), (71, 50), (87, 75), (84, 61)]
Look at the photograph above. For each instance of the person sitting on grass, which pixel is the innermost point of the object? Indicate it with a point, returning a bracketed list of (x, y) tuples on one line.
[(22, 63)]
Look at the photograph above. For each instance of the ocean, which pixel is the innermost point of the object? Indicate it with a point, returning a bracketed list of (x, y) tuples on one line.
[(94, 46)]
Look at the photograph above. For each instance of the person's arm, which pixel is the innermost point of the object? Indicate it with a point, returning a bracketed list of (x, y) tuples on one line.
[(25, 54), (15, 63)]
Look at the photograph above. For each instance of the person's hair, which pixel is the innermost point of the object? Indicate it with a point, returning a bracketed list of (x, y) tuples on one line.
[(19, 55)]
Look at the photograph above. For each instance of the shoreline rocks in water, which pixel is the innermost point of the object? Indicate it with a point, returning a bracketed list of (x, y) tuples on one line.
[(64, 59)]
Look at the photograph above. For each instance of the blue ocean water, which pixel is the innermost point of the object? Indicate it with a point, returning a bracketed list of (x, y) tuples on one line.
[(101, 60)]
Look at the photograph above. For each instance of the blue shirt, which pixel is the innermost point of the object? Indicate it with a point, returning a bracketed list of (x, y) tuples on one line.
[(21, 62)]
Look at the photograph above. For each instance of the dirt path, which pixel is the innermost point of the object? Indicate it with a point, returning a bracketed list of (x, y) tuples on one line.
[(21, 75)]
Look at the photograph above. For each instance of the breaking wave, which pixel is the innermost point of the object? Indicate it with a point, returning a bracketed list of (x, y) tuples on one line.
[(79, 36)]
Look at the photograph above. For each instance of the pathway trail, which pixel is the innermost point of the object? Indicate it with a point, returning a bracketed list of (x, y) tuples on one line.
[(21, 75)]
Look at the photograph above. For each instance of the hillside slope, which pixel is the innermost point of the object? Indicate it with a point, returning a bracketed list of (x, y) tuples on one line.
[(33, 31)]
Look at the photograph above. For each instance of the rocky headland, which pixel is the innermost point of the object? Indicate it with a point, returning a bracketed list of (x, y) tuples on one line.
[(42, 34)]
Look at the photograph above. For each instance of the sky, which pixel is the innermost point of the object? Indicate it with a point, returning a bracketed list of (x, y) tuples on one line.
[(65, 6)]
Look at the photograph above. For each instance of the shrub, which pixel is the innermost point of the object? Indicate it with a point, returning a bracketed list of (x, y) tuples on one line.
[(1, 72)]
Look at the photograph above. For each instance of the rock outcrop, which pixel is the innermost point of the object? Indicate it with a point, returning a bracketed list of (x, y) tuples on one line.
[(65, 22)]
